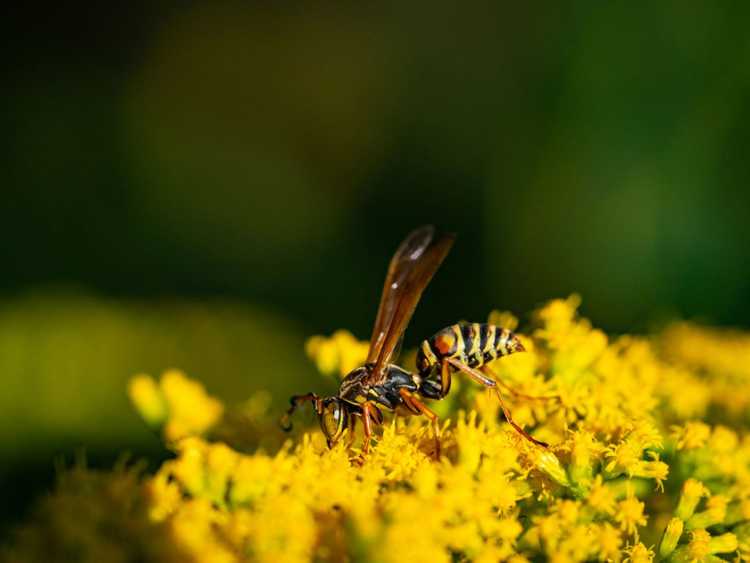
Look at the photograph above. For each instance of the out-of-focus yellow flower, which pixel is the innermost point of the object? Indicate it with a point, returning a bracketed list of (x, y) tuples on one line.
[(503, 319), (338, 354), (720, 356), (148, 399), (639, 553), (591, 496), (671, 536), (692, 491), (630, 515), (178, 403), (192, 530), (164, 496), (191, 410), (609, 543), (742, 533), (716, 510), (584, 451), (692, 436), (602, 498), (702, 546)]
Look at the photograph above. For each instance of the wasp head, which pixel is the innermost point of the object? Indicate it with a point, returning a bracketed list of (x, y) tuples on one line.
[(334, 419)]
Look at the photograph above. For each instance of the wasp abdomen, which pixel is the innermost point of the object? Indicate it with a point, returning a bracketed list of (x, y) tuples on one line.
[(473, 344)]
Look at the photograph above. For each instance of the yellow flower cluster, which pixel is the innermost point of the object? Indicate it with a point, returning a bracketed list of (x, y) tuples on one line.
[(337, 355), (178, 403), (716, 364), (638, 467)]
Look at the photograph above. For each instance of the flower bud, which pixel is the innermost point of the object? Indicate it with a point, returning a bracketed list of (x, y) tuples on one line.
[(692, 491), (547, 463), (671, 536), (581, 469), (716, 510), (724, 543)]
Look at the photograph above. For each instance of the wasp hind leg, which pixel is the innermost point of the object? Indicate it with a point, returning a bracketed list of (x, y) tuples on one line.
[(418, 407), (487, 371), (481, 378)]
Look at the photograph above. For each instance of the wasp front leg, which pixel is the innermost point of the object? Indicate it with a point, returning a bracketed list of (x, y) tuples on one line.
[(371, 415), (352, 428), (481, 378), (414, 404)]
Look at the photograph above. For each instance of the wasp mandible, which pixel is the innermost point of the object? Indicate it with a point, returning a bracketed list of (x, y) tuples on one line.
[(465, 348)]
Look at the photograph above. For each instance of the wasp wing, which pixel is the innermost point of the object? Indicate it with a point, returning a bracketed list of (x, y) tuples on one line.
[(401, 263), (410, 270)]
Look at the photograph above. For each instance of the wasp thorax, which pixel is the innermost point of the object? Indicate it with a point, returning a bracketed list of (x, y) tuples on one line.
[(351, 385)]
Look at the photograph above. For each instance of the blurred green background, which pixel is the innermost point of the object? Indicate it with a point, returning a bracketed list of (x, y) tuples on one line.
[(204, 185)]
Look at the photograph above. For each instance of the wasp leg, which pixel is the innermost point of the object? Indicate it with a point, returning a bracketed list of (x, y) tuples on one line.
[(487, 371), (295, 401), (445, 379), (367, 417), (479, 377), (414, 404), (352, 427)]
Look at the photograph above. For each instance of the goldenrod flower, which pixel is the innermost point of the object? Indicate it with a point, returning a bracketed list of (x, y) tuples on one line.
[(702, 546), (742, 533), (630, 515), (163, 495), (145, 394), (584, 451), (602, 498), (639, 553), (671, 536), (338, 354), (628, 414), (503, 319), (609, 542), (191, 410), (716, 510), (692, 491), (547, 462), (692, 436), (180, 404)]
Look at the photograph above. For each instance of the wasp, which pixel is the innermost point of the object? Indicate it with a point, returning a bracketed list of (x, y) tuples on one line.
[(380, 384)]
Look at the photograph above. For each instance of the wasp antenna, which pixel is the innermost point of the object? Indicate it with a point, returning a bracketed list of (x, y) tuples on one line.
[(286, 420), (285, 423)]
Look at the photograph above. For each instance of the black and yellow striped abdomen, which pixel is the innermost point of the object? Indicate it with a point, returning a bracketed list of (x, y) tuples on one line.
[(473, 344)]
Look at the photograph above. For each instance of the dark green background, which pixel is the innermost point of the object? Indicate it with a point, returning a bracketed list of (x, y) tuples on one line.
[(203, 186)]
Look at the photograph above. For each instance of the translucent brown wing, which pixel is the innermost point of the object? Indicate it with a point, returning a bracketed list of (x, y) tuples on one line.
[(401, 263), (410, 270)]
